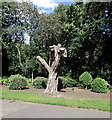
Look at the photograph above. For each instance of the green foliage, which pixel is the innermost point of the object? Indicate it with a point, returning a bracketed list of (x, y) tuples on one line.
[(71, 82), (86, 79), (99, 85), (5, 81), (80, 85), (12, 76), (17, 82), (72, 88), (29, 81), (110, 88), (40, 82), (78, 27), (66, 82)]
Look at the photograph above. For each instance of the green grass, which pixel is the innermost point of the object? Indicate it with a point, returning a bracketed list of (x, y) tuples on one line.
[(99, 104)]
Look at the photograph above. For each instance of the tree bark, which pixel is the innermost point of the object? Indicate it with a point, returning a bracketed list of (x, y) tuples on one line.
[(20, 61), (32, 77), (57, 53)]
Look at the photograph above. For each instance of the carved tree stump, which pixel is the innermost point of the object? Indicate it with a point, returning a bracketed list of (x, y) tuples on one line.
[(57, 53)]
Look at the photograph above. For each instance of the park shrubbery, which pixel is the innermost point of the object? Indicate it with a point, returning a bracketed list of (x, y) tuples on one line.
[(17, 82), (4, 80), (40, 82), (86, 79), (66, 82), (99, 85), (29, 81)]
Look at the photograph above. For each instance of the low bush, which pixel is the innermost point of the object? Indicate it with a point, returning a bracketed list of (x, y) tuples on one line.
[(63, 82), (66, 82), (12, 76), (71, 82), (40, 82), (86, 79), (4, 80), (29, 81), (17, 82), (110, 88), (80, 85), (99, 85)]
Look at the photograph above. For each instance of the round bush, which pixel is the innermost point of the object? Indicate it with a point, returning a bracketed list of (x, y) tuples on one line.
[(64, 82), (86, 79), (40, 82), (17, 83), (99, 85)]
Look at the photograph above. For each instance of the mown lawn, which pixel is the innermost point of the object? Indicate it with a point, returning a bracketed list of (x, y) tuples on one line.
[(99, 104)]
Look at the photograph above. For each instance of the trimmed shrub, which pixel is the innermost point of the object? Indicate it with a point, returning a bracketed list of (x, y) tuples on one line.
[(29, 81), (4, 80), (86, 79), (110, 88), (40, 82), (71, 82), (99, 85), (12, 76), (79, 85), (17, 83), (66, 82)]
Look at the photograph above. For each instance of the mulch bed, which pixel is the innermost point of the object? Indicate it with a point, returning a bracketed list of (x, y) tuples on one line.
[(69, 93)]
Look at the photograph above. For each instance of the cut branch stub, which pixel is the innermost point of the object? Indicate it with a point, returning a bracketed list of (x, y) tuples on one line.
[(57, 53)]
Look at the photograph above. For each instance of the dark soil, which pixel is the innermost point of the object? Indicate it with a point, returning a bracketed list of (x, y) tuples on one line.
[(69, 93)]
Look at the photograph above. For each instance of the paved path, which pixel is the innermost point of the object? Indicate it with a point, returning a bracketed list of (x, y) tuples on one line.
[(19, 109)]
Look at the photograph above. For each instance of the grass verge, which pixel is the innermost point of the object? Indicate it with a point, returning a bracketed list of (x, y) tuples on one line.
[(99, 104)]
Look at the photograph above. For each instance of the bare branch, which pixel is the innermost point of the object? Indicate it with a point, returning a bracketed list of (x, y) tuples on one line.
[(43, 63)]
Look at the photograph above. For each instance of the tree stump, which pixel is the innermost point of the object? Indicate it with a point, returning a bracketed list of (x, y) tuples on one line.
[(57, 53)]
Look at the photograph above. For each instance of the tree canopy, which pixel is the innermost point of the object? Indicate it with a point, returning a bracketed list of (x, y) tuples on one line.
[(84, 29)]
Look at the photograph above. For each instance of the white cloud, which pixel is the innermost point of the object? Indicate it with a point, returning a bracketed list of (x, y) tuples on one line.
[(42, 11), (43, 3)]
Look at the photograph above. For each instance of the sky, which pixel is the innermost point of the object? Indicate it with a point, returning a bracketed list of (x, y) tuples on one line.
[(48, 6)]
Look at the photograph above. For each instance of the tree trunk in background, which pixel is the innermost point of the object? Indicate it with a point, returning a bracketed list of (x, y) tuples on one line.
[(57, 53), (20, 61), (32, 77)]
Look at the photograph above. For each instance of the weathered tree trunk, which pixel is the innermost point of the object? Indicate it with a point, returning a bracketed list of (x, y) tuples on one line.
[(57, 53)]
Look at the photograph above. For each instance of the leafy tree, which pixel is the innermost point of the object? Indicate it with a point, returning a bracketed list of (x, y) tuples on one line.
[(86, 32)]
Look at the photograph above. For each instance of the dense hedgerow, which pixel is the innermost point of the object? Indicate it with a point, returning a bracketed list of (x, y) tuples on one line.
[(17, 82), (40, 82), (99, 85), (86, 79)]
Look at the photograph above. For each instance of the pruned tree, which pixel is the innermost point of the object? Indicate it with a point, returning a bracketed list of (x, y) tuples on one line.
[(57, 53)]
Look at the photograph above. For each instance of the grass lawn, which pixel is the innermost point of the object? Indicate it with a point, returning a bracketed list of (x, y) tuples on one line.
[(99, 104)]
